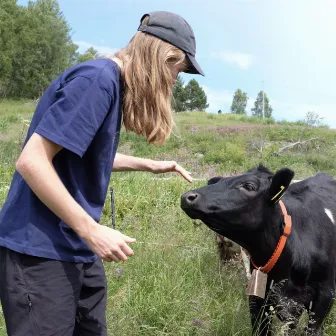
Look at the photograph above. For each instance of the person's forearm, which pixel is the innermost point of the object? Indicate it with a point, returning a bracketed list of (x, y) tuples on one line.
[(40, 175), (130, 163)]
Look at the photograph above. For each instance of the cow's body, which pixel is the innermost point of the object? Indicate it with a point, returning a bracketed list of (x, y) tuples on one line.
[(241, 208)]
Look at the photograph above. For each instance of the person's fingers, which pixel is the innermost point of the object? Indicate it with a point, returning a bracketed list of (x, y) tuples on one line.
[(171, 166), (120, 254), (111, 258), (127, 250), (128, 240), (183, 172)]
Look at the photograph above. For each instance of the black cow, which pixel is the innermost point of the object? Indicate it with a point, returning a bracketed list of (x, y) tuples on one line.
[(246, 209)]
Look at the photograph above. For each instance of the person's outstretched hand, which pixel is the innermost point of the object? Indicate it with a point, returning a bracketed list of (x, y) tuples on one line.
[(170, 166), (109, 244)]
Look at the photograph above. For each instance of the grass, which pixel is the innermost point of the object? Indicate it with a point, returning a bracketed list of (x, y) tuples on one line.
[(175, 284)]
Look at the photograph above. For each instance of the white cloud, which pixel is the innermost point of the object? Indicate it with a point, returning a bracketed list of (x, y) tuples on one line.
[(102, 49), (222, 100), (218, 100), (242, 60)]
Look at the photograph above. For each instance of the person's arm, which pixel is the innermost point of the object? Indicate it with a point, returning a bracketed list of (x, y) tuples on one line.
[(131, 163), (36, 168)]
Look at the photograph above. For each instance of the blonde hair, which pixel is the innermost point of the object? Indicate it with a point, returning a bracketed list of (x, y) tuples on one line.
[(145, 70)]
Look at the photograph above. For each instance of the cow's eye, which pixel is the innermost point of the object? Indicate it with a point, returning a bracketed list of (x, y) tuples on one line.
[(249, 186)]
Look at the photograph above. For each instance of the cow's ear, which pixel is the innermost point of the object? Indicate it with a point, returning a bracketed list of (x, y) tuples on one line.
[(214, 180), (279, 184)]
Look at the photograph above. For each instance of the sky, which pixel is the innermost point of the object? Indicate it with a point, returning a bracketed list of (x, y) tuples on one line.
[(286, 48)]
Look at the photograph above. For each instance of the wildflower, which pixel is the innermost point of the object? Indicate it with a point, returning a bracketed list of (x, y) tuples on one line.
[(197, 322), (119, 271)]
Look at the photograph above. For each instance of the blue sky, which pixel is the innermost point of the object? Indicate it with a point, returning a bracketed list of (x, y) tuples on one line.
[(285, 47)]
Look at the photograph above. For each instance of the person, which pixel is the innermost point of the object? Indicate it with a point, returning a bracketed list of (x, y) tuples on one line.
[(51, 242)]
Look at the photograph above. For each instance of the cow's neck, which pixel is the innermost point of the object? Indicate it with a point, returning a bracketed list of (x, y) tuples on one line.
[(262, 244)]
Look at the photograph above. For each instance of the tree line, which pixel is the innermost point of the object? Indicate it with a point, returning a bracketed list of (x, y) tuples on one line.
[(262, 106)]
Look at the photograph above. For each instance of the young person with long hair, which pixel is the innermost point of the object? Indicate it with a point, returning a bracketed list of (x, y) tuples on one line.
[(52, 279)]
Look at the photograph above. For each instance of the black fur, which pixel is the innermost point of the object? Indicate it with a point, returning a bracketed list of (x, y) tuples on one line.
[(241, 208)]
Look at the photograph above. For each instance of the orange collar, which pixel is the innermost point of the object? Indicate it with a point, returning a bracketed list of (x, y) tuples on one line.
[(281, 244)]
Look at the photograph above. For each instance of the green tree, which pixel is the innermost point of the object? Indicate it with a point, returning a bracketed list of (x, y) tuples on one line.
[(89, 54), (179, 96), (313, 119), (38, 46), (257, 110), (196, 99), (239, 102), (9, 14)]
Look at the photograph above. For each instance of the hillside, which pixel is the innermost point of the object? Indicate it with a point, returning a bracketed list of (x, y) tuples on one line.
[(175, 285), (207, 144), (210, 144)]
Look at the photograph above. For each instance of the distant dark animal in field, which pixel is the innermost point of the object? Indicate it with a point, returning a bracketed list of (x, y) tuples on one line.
[(289, 233)]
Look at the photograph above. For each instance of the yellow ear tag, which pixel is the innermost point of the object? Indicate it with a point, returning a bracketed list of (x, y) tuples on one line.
[(282, 188)]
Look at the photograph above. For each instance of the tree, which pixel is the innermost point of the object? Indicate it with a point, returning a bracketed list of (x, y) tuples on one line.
[(9, 13), (179, 96), (239, 102), (89, 54), (35, 46), (257, 110), (196, 98), (313, 119)]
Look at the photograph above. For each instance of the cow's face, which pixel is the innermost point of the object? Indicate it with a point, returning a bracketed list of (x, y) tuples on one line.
[(236, 204)]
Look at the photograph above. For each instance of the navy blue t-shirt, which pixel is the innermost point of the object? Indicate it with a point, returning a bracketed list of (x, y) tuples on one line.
[(81, 111)]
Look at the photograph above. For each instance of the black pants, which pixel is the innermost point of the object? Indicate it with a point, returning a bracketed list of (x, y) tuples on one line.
[(49, 297)]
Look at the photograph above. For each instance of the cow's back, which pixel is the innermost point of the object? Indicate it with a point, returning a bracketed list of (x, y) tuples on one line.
[(312, 205), (319, 189)]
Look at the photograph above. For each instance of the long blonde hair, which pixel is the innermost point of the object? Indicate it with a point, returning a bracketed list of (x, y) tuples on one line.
[(147, 109)]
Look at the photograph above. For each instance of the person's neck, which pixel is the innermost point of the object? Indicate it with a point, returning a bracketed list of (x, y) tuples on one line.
[(118, 61)]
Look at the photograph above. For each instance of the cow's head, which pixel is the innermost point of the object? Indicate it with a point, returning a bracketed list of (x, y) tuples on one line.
[(234, 205)]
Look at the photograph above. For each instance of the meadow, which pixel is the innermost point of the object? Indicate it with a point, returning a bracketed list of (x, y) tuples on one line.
[(175, 283)]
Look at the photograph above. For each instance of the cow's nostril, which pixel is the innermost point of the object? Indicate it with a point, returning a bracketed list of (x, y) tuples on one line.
[(192, 197)]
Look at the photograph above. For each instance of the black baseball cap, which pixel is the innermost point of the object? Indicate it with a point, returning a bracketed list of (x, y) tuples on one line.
[(172, 28)]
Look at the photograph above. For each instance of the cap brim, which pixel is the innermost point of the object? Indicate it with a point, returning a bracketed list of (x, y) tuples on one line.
[(194, 67)]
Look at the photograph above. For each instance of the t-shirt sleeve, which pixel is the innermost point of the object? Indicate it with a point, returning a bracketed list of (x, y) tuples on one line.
[(74, 118)]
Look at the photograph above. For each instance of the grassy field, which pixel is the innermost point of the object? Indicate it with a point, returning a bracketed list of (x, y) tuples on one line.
[(175, 284)]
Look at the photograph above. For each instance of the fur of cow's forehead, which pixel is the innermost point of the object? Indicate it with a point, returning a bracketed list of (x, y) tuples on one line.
[(260, 171)]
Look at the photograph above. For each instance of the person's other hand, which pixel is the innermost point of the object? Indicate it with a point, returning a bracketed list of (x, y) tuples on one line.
[(109, 244)]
